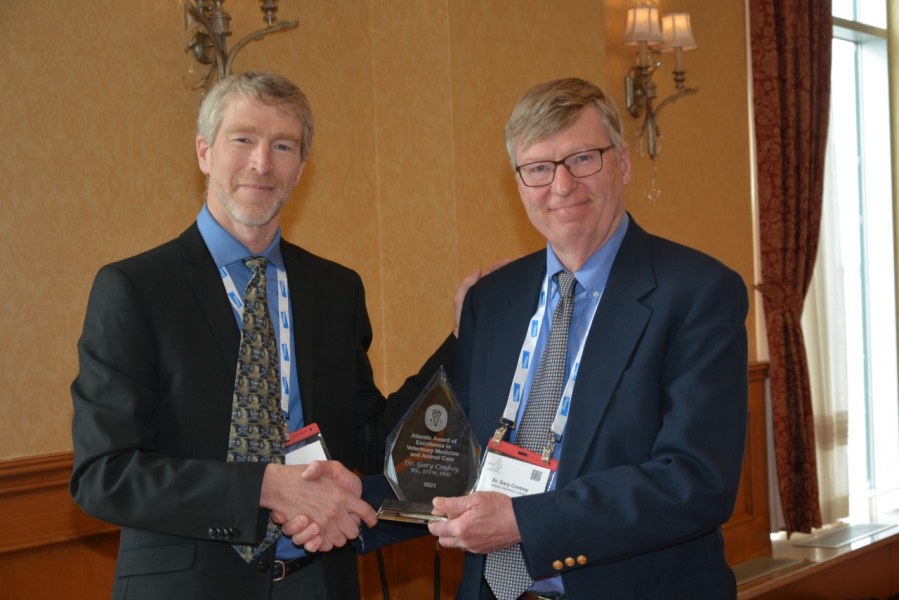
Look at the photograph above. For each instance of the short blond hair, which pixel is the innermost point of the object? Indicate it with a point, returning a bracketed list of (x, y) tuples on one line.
[(548, 108)]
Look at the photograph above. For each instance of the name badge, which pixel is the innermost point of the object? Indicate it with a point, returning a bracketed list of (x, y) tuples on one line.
[(514, 471), (305, 445)]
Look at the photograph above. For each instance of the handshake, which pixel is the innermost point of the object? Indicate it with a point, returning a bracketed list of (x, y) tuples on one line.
[(319, 506)]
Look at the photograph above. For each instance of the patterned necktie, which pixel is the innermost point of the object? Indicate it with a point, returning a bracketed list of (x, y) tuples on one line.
[(505, 569), (258, 431)]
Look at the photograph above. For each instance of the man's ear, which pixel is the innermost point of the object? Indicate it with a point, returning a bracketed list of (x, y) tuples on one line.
[(203, 154), (296, 181), (624, 162)]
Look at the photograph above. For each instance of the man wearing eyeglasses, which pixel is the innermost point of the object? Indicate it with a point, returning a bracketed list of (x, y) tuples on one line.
[(625, 397)]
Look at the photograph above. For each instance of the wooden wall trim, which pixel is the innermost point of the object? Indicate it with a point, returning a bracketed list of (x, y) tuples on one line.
[(747, 533), (35, 472), (758, 371), (36, 509)]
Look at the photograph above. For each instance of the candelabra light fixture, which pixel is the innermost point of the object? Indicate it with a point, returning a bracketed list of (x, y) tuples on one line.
[(206, 31), (675, 36)]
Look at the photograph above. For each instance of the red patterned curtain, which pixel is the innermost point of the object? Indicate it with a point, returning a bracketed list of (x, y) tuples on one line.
[(791, 55)]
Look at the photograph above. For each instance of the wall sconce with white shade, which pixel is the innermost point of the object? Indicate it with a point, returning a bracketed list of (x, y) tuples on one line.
[(206, 29), (674, 35)]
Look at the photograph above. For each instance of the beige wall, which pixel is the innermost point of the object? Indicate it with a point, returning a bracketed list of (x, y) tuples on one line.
[(407, 183)]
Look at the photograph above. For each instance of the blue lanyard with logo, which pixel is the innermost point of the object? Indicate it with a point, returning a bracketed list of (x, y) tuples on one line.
[(236, 300), (525, 358)]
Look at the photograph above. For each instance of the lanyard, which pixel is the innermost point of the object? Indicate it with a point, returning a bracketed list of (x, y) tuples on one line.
[(513, 403), (283, 326)]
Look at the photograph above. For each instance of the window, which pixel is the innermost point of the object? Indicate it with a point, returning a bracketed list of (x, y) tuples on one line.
[(850, 315)]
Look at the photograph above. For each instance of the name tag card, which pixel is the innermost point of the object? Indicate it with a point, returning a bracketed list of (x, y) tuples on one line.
[(514, 471), (305, 445)]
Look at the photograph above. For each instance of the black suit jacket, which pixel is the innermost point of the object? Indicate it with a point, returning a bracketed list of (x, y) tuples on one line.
[(653, 448), (152, 414)]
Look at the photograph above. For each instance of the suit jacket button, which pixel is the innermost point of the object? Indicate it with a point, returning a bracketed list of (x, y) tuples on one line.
[(263, 566), (581, 559), (557, 565), (569, 562)]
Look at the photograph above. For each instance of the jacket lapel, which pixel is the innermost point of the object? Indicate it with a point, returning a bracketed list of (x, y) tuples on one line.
[(507, 326), (302, 303), (617, 327), (210, 294)]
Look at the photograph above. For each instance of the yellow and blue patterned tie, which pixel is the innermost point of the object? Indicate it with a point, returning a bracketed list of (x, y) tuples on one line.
[(258, 430)]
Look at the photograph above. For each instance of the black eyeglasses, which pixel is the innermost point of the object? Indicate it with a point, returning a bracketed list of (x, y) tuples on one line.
[(580, 164)]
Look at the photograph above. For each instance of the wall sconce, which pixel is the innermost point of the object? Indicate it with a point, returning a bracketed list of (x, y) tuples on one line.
[(675, 36), (206, 29)]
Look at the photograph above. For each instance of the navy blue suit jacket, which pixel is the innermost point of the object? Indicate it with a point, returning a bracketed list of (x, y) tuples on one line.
[(653, 448)]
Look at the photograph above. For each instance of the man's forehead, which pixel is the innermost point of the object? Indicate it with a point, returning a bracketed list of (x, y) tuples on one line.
[(238, 116), (587, 130), (249, 126), (550, 149)]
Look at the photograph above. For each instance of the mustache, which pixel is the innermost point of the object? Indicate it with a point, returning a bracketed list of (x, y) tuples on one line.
[(262, 181)]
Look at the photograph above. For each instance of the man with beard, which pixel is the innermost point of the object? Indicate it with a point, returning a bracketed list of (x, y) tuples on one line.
[(179, 440)]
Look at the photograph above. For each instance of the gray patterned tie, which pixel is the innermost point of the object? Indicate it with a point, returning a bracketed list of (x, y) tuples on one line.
[(505, 569), (258, 431)]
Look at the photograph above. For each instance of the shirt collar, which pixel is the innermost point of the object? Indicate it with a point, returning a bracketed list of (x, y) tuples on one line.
[(593, 276), (226, 249)]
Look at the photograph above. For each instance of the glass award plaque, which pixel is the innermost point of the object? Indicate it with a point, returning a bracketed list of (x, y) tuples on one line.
[(431, 452)]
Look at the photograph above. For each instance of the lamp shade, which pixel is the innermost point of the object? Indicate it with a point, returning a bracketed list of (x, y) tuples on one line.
[(676, 33), (643, 26)]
